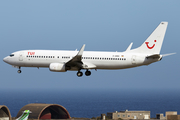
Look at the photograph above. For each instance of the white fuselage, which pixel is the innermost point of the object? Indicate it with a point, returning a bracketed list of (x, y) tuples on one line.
[(62, 61), (101, 60)]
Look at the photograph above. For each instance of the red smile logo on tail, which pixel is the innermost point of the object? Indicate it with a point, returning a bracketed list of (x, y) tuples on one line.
[(148, 45)]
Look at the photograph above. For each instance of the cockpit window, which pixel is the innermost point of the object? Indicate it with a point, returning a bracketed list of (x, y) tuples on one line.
[(11, 55)]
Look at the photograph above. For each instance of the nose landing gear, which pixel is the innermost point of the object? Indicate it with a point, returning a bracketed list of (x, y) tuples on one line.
[(19, 71)]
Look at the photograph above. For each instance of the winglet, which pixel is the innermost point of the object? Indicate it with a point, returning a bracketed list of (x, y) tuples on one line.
[(129, 48), (77, 58), (81, 51)]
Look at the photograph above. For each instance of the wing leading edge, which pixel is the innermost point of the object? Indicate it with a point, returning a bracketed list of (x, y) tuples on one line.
[(76, 61)]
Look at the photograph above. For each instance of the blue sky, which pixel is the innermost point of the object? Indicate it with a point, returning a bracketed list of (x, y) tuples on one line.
[(103, 26)]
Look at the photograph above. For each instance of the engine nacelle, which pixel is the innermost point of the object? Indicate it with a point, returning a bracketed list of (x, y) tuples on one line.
[(57, 67)]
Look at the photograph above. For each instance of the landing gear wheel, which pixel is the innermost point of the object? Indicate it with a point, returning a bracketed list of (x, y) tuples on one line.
[(19, 71), (88, 73), (79, 74)]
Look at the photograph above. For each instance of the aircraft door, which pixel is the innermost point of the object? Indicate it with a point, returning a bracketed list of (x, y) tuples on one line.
[(21, 57), (133, 59)]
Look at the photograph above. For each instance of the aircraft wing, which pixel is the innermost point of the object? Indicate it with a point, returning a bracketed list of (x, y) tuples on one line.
[(87, 65), (76, 61)]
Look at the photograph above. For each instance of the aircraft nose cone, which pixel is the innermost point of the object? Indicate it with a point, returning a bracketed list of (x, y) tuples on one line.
[(5, 59)]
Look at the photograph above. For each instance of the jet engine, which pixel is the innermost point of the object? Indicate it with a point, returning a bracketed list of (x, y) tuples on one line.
[(57, 67)]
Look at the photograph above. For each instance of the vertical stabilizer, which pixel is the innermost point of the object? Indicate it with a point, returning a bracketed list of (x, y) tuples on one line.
[(153, 43), (25, 115)]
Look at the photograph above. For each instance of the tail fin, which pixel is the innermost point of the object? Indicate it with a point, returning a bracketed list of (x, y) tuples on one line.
[(25, 115), (153, 43)]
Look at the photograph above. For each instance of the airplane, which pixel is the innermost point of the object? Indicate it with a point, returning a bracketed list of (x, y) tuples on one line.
[(25, 115), (64, 60)]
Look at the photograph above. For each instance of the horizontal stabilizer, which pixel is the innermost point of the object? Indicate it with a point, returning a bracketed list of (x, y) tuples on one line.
[(168, 54), (154, 56)]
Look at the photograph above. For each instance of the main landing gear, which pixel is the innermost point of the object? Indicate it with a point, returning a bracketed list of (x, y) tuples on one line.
[(79, 74), (19, 71), (87, 73)]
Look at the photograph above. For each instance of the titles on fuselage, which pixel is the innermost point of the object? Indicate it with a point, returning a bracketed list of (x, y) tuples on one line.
[(31, 53)]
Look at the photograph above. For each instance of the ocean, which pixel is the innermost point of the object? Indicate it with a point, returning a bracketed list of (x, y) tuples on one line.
[(92, 103)]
